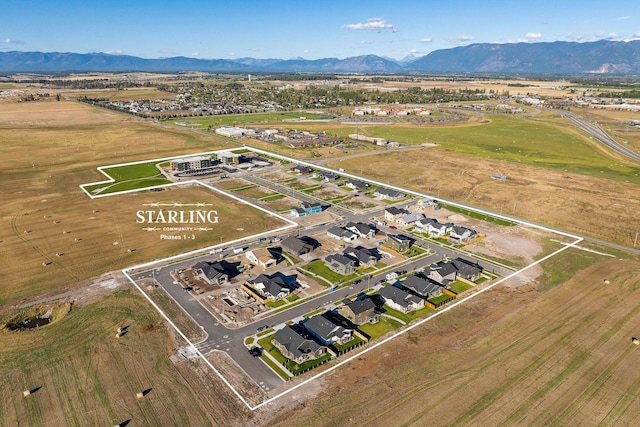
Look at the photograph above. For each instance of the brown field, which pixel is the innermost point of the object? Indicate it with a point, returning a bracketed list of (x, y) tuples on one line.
[(91, 378), (49, 149), (108, 230), (597, 207), (510, 357), (524, 354)]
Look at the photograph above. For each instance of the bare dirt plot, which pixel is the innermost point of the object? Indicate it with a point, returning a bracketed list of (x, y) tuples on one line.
[(229, 184), (598, 207), (510, 356), (282, 204)]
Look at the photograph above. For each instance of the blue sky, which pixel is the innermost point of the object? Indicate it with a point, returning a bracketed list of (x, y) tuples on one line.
[(287, 29)]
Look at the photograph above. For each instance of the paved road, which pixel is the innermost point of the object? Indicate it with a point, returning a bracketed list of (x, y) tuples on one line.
[(231, 340), (599, 134)]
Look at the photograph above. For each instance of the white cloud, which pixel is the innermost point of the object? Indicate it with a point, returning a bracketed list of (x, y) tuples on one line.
[(425, 40), (12, 41), (460, 39), (195, 54), (595, 36), (378, 24), (528, 38), (114, 52), (623, 18)]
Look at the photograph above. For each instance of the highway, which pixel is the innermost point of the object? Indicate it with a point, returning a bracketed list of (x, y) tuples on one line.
[(599, 134)]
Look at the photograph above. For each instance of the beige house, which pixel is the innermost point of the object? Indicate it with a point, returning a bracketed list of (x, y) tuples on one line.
[(261, 257)]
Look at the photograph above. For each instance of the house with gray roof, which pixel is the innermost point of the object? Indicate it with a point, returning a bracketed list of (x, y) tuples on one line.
[(447, 272), (358, 312), (327, 176), (211, 272), (273, 287), (398, 243), (364, 256), (388, 193), (297, 246), (341, 264), (433, 227), (393, 214), (340, 233), (467, 269), (423, 287), (327, 329), (409, 218), (297, 347), (361, 229), (356, 185), (399, 299), (461, 234)]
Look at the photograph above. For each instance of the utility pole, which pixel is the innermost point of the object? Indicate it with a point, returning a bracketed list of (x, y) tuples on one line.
[(635, 240)]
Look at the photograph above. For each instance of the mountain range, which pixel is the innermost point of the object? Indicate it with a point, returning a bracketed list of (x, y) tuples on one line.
[(600, 57)]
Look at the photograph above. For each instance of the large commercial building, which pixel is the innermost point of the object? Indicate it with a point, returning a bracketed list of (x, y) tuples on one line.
[(191, 163)]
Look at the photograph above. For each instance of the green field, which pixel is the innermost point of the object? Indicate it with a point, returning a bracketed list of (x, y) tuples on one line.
[(544, 142), (257, 118), (381, 327), (130, 177)]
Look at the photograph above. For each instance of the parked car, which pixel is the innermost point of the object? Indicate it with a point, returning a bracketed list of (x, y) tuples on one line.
[(393, 227), (255, 351)]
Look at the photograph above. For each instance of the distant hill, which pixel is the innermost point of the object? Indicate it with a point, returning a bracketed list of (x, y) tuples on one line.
[(536, 58), (602, 57)]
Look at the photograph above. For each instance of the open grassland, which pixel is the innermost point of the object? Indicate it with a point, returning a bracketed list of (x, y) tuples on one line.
[(133, 94), (49, 149), (589, 205), (88, 377), (546, 142), (254, 118), (510, 357), (109, 236)]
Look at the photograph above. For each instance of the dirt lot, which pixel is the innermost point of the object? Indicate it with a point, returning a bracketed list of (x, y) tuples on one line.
[(511, 356)]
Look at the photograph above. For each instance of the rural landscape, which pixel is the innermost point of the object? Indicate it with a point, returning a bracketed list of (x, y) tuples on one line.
[(321, 243)]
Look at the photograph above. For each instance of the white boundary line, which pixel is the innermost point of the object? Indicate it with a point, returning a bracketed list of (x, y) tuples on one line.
[(292, 224)]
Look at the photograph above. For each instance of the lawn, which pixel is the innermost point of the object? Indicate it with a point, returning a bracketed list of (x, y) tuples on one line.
[(319, 268), (383, 326), (405, 317), (440, 299), (459, 286), (129, 177)]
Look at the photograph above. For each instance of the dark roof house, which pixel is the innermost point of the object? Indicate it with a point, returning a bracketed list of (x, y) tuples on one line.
[(295, 346), (424, 287), (341, 264), (211, 272), (359, 311), (297, 246), (272, 286), (327, 329)]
